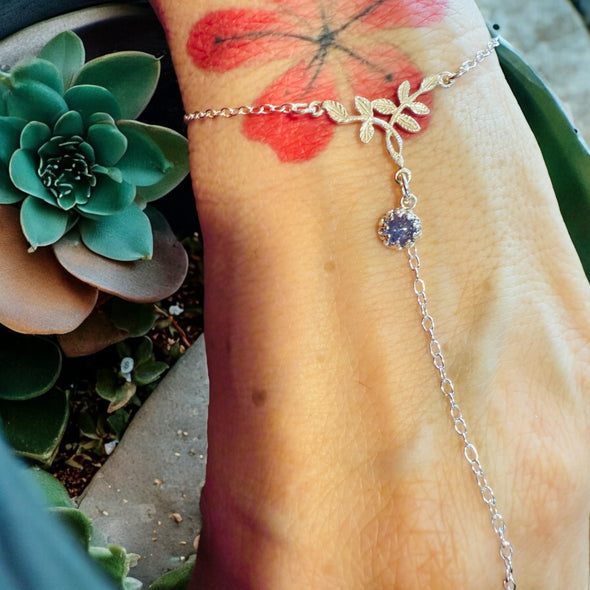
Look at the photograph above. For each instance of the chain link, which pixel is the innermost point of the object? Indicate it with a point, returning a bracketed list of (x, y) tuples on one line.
[(313, 108), (469, 449), (447, 79)]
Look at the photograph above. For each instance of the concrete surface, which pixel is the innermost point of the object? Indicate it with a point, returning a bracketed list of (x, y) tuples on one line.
[(146, 496)]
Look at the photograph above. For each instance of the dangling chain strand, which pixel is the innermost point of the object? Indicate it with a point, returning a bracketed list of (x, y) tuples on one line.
[(400, 228), (469, 449)]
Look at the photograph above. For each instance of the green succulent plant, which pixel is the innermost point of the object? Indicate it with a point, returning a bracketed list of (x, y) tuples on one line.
[(77, 175)]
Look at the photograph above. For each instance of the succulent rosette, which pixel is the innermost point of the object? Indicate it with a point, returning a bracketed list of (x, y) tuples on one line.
[(77, 174)]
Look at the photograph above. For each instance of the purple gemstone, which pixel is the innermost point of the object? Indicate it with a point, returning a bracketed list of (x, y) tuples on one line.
[(399, 228)]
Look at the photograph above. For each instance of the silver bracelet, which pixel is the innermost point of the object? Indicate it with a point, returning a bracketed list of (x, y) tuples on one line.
[(400, 228)]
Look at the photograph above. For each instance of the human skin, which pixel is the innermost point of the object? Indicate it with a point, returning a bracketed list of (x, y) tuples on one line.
[(332, 459)]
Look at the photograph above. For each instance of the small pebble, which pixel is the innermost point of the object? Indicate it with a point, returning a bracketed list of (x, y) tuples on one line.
[(176, 517), (158, 481)]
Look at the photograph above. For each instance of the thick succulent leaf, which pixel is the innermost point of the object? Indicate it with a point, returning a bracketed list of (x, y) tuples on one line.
[(38, 70), (131, 76), (566, 155), (23, 172), (34, 101), (108, 197), (42, 224), (175, 149), (69, 123), (29, 365), (9, 194), (176, 579), (55, 494), (88, 100), (144, 163), (113, 560), (34, 135), (34, 427), (66, 52), (10, 130), (37, 295), (148, 372), (108, 142), (135, 318), (76, 522), (95, 333), (141, 281), (124, 236)]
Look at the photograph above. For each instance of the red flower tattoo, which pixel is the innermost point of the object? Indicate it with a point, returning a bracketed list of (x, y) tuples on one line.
[(325, 46)]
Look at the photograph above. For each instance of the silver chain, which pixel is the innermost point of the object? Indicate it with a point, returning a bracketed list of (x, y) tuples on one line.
[(469, 449), (403, 176)]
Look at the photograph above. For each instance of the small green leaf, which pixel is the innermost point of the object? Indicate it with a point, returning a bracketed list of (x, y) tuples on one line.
[(29, 365), (108, 197), (123, 395), (177, 579), (113, 560), (34, 135), (34, 101), (124, 236), (76, 522), (88, 100), (66, 52), (69, 123), (42, 224), (108, 142), (131, 76), (118, 422), (10, 130), (144, 163), (144, 351), (38, 70), (148, 372), (34, 427), (135, 318), (175, 149), (54, 492), (106, 383)]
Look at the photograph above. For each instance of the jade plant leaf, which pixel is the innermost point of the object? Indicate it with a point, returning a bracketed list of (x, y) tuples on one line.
[(76, 522), (177, 579), (114, 560), (140, 281), (66, 52), (175, 148), (131, 76), (53, 490), (148, 372), (566, 155), (144, 163), (29, 365), (95, 333), (29, 303), (135, 318), (124, 236), (34, 427), (110, 388)]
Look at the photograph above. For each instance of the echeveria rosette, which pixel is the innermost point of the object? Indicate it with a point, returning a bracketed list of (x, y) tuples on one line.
[(74, 162)]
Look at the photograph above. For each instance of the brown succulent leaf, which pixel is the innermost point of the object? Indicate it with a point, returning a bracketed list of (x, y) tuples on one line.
[(96, 332), (142, 281), (37, 295)]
